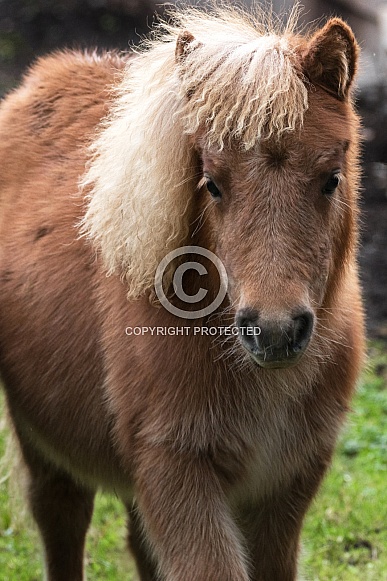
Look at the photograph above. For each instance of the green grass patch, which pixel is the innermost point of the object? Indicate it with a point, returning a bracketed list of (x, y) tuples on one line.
[(345, 534)]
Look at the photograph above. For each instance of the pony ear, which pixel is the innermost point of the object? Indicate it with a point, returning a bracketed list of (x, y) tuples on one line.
[(183, 44), (330, 59)]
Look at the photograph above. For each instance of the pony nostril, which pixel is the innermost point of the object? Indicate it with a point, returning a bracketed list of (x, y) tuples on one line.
[(247, 323), (274, 339), (303, 326), (246, 318)]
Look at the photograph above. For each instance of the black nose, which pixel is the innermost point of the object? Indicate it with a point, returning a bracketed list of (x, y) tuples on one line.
[(272, 341)]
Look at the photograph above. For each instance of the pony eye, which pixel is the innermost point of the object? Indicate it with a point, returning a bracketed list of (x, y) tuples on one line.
[(213, 189), (331, 184)]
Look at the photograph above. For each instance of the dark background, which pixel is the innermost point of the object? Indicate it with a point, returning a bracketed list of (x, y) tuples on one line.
[(29, 28)]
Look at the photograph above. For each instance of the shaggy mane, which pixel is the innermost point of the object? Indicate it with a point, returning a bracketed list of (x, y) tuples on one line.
[(238, 81), (242, 80)]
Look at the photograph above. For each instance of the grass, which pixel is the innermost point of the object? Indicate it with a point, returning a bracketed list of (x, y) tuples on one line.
[(345, 533)]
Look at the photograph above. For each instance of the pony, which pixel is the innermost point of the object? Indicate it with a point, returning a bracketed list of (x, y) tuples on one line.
[(221, 136)]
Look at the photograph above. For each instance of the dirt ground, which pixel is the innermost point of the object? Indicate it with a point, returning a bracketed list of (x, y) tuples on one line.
[(31, 28), (373, 252), (373, 257)]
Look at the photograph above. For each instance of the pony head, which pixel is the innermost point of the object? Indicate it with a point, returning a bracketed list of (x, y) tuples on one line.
[(255, 127)]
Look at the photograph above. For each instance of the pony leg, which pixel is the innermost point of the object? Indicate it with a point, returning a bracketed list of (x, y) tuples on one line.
[(186, 517), (272, 530), (146, 566), (62, 510)]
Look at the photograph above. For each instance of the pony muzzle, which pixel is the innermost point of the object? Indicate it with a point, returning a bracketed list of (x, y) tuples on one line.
[(275, 342)]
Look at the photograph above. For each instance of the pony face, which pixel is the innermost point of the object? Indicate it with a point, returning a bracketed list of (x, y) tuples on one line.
[(264, 120), (281, 217)]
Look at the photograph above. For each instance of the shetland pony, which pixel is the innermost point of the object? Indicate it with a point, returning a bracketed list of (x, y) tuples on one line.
[(222, 135)]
